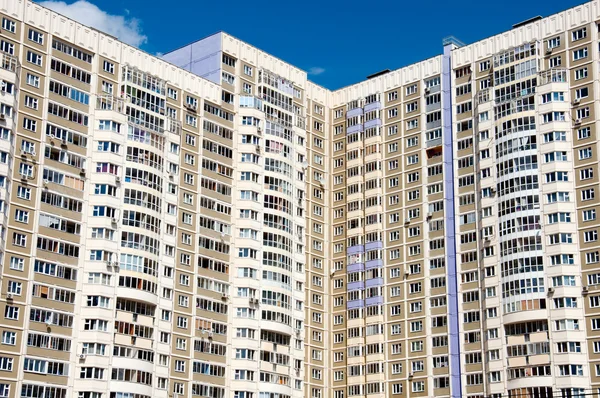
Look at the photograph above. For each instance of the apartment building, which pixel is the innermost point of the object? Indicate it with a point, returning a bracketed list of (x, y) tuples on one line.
[(211, 223)]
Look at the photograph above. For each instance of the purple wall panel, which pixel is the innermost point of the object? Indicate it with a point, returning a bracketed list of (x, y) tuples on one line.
[(355, 249), (374, 264), (449, 215), (374, 245), (356, 267)]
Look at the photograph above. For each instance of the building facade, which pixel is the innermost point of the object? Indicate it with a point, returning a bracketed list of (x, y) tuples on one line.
[(213, 224)]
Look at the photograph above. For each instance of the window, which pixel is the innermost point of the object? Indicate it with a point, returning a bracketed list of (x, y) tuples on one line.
[(579, 34), (7, 47), (583, 113), (229, 61), (31, 102), (17, 263), (11, 312), (15, 287), (22, 216), (554, 42), (9, 25), (580, 54), (9, 338), (108, 67), (19, 239), (581, 73), (36, 36), (583, 133), (34, 58), (6, 364), (581, 92), (33, 80), (555, 62), (589, 215)]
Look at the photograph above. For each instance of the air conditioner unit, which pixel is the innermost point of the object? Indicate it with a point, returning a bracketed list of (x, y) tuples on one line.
[(32, 153), (210, 335), (2, 116), (548, 51), (82, 171), (258, 149), (224, 296), (191, 107), (427, 90), (492, 190), (117, 179), (9, 296), (577, 121), (115, 264), (46, 182), (407, 221), (298, 331), (258, 129), (550, 290), (23, 153), (585, 290), (486, 238), (576, 100), (429, 215), (81, 356), (410, 375), (63, 142), (332, 271), (407, 273), (113, 220)]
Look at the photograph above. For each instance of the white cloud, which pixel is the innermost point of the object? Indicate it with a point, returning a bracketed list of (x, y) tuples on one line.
[(124, 28), (316, 70)]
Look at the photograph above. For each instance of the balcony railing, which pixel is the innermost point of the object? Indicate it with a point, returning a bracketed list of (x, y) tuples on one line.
[(173, 126), (556, 75), (249, 101), (110, 103), (8, 62), (483, 96)]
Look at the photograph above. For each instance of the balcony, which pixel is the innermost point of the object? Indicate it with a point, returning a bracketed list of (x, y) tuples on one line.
[(9, 62), (557, 75), (247, 101), (110, 103), (173, 126), (434, 143)]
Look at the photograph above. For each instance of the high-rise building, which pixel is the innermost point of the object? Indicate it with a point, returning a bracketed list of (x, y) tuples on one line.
[(212, 224)]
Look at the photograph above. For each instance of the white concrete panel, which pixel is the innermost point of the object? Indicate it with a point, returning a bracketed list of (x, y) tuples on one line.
[(37, 16), (14, 8)]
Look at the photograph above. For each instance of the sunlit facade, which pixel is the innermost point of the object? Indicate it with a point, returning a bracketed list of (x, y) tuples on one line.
[(211, 223)]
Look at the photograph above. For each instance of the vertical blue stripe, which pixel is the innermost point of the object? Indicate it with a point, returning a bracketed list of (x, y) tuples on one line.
[(449, 215)]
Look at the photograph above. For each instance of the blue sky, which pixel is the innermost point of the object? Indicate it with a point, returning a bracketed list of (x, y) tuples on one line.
[(339, 43)]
